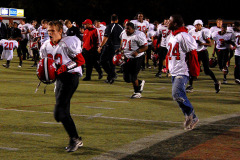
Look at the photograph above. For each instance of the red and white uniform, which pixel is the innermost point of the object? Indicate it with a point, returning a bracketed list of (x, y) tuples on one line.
[(141, 26), (202, 36), (133, 42), (180, 43), (164, 32), (24, 29), (221, 39), (63, 52), (150, 34), (33, 35), (101, 31), (214, 29), (237, 42), (43, 33), (8, 47)]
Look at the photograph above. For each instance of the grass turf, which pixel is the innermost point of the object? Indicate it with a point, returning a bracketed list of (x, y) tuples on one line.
[(104, 115)]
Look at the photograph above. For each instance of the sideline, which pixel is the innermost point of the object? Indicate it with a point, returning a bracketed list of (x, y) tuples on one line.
[(149, 141)]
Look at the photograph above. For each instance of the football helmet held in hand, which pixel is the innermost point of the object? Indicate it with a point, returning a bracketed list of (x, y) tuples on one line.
[(46, 71), (118, 59), (213, 62)]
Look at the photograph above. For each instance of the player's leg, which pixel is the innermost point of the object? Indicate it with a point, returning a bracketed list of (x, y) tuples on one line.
[(67, 84), (19, 52), (208, 71), (225, 54), (237, 69), (179, 95)]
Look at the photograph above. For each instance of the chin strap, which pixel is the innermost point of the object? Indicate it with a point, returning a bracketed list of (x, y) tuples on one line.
[(39, 86)]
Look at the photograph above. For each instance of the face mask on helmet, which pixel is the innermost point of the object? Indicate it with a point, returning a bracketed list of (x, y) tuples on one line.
[(46, 71)]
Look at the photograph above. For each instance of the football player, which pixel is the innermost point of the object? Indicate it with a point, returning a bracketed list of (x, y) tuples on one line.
[(223, 39), (68, 58), (182, 61), (217, 28), (140, 24), (43, 32), (202, 37), (34, 35), (163, 33), (237, 52), (8, 48), (101, 30), (133, 45), (23, 43)]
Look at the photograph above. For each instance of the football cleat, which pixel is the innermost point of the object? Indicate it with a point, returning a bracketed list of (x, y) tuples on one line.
[(6, 65), (136, 95), (237, 81), (189, 89), (74, 144), (46, 71), (224, 81), (217, 86), (188, 121), (194, 123)]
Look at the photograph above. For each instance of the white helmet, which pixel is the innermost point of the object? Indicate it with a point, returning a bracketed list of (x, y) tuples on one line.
[(198, 21)]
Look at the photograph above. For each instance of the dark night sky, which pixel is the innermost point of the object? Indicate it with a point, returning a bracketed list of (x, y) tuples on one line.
[(79, 10)]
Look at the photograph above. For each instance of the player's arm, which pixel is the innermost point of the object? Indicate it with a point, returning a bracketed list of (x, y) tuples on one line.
[(208, 42), (102, 44), (141, 49)]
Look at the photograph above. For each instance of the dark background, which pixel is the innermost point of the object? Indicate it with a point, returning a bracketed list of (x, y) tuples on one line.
[(79, 10)]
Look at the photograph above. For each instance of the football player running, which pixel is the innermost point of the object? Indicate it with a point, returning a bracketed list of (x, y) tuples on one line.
[(140, 24), (223, 39), (8, 48), (202, 37), (68, 58), (133, 44), (182, 62), (237, 52)]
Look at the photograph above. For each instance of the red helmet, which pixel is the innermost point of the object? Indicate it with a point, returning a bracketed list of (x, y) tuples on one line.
[(118, 59), (213, 62), (46, 70)]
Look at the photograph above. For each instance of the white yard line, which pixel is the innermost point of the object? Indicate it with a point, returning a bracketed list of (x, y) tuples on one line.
[(32, 134), (8, 148), (92, 107), (115, 101)]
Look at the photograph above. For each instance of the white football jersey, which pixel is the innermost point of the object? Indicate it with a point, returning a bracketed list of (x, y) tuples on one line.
[(221, 39), (150, 34), (214, 29), (202, 36), (164, 32), (140, 26), (190, 27), (133, 42), (101, 31), (43, 33), (178, 46), (64, 34), (24, 29), (34, 34), (63, 52), (8, 47), (151, 26), (237, 42)]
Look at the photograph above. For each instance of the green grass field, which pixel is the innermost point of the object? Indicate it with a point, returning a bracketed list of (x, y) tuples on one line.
[(104, 115)]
